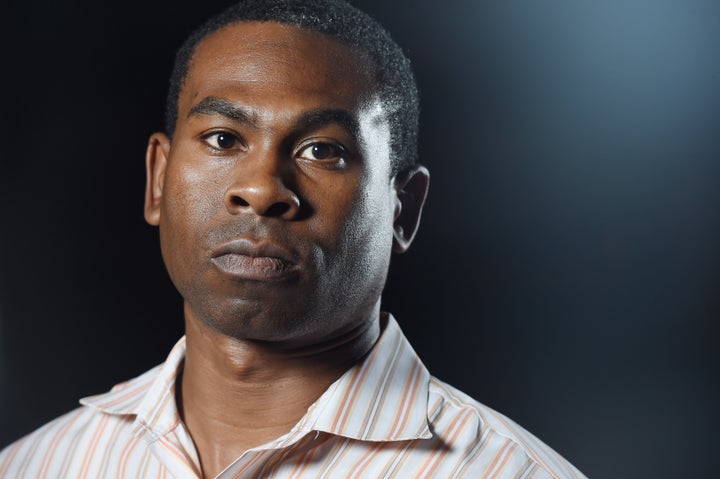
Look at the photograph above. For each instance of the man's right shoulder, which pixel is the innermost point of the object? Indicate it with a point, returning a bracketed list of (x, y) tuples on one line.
[(63, 447), (55, 446)]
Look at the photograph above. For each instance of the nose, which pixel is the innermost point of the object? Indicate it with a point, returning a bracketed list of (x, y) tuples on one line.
[(259, 187)]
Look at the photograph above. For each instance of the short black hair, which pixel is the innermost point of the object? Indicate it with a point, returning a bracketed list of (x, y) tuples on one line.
[(394, 78)]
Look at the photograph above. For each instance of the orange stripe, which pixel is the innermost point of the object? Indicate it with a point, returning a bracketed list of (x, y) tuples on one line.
[(382, 389), (178, 453), (497, 458), (87, 459), (474, 451), (69, 452), (446, 444), (135, 391), (356, 379), (528, 450), (28, 457), (398, 459), (113, 438), (247, 466), (124, 457), (508, 454), (304, 461), (258, 457), (156, 414), (11, 456), (339, 450), (407, 395), (142, 467), (362, 464), (276, 459), (350, 397)]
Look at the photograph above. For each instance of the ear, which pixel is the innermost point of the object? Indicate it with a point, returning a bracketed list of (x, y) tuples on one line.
[(411, 190), (156, 158)]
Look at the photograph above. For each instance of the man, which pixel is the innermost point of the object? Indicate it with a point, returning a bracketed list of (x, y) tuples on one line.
[(284, 182)]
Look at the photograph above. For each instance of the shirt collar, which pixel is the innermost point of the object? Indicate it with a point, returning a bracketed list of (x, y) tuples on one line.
[(382, 398), (150, 396)]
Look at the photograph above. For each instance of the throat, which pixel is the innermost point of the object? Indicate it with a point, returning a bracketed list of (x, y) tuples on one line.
[(233, 395), (225, 425)]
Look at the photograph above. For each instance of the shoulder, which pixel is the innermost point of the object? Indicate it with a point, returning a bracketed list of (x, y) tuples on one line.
[(492, 443), (67, 445), (54, 446)]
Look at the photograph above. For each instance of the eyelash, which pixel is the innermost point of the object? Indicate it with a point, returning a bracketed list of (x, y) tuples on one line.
[(339, 152), (206, 138)]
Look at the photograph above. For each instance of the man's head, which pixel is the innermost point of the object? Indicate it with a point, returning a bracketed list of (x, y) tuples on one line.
[(277, 198), (382, 58)]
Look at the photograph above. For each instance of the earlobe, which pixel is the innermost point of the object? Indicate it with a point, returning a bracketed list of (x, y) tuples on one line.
[(156, 157), (411, 190)]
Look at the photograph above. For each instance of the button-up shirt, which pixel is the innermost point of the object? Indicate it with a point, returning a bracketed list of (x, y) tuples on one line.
[(386, 417)]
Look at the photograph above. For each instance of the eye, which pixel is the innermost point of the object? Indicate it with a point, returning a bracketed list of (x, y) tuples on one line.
[(322, 152), (221, 140)]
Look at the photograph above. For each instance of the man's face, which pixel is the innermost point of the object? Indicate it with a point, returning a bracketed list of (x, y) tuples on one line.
[(275, 199)]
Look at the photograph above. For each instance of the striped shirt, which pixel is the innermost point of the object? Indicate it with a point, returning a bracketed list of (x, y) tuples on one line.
[(386, 417)]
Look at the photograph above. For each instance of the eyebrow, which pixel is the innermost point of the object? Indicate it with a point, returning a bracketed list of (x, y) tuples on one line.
[(309, 120), (315, 119), (212, 105)]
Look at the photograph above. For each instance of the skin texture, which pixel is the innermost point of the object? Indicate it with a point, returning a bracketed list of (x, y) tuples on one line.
[(278, 214)]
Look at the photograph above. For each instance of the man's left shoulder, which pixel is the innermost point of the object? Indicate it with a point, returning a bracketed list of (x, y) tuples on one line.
[(491, 442)]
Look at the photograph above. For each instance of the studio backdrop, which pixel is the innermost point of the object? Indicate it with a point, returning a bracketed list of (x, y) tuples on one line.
[(567, 268)]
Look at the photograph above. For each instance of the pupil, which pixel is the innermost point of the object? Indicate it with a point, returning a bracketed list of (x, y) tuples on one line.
[(225, 141), (322, 152)]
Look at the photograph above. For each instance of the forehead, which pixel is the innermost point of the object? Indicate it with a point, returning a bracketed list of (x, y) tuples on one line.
[(278, 60)]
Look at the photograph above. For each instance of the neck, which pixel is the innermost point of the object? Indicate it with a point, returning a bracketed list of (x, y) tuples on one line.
[(235, 394)]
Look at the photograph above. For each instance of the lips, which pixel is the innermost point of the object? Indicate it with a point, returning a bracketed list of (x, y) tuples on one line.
[(247, 259)]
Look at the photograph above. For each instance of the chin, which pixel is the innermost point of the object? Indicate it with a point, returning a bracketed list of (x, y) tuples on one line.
[(256, 321)]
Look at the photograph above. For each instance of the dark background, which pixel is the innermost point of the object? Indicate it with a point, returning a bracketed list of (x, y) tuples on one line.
[(567, 269)]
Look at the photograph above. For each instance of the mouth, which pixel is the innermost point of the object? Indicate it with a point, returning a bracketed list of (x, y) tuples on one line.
[(247, 259)]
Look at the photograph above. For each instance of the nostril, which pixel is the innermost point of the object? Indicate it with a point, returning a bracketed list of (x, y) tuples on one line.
[(263, 200), (238, 201), (277, 209)]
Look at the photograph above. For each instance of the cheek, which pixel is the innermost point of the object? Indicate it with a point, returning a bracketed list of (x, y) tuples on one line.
[(187, 206), (371, 232), (364, 230), (190, 196)]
